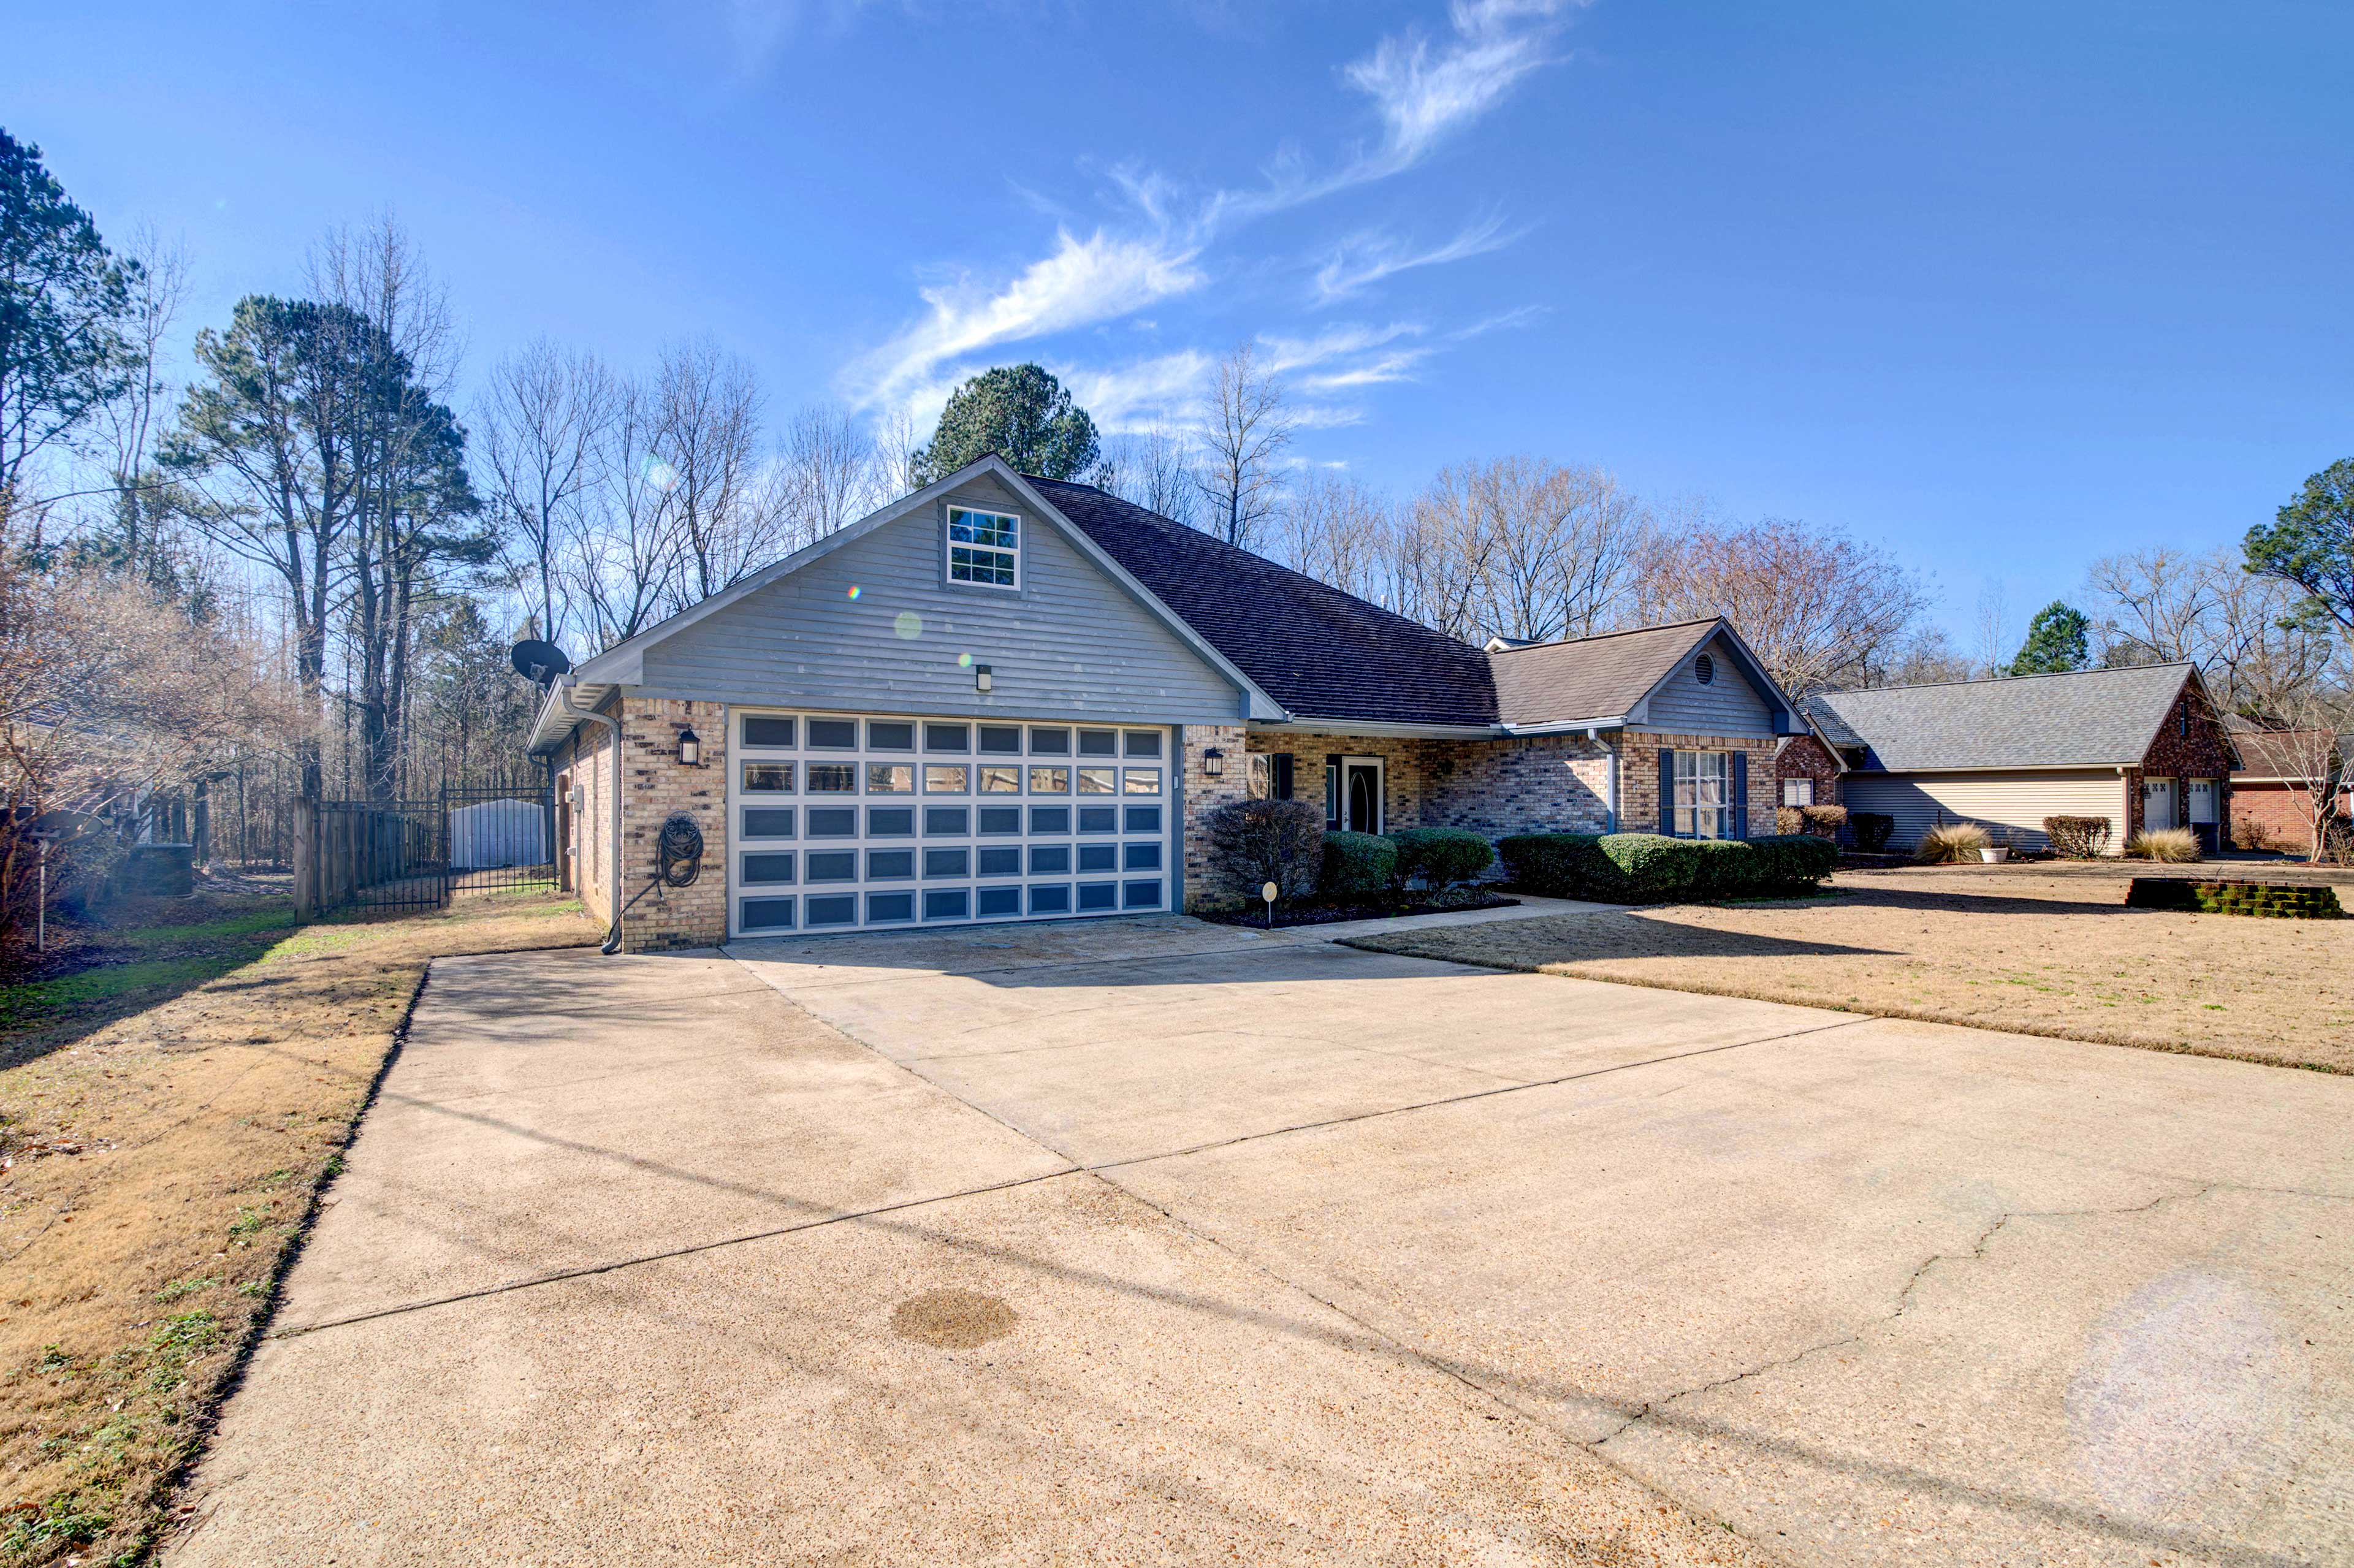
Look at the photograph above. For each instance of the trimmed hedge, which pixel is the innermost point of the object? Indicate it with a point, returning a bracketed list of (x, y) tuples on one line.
[(1620, 868), (1873, 829), (1357, 866), (1562, 865), (1441, 856)]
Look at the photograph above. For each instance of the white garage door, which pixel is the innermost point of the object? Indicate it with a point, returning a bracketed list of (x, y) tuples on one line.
[(863, 822)]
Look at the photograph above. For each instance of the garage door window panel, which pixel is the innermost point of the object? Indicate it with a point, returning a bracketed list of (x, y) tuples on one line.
[(759, 730), (767, 777), (832, 734)]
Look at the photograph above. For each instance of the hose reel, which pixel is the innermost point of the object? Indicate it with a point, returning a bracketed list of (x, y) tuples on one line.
[(678, 856)]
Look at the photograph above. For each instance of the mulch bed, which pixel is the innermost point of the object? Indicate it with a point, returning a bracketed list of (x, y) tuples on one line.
[(1332, 914)]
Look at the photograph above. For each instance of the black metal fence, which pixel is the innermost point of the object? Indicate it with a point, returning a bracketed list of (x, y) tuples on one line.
[(416, 854)]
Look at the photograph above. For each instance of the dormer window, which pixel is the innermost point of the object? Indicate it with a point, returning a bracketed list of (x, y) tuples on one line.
[(984, 548)]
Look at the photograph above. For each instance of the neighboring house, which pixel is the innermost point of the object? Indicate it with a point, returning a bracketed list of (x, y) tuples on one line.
[(2143, 746), (2272, 793), (1013, 698)]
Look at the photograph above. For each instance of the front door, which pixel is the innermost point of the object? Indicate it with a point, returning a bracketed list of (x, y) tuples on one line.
[(1360, 794)]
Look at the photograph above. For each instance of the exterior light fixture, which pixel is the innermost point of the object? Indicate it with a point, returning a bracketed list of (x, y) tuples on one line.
[(690, 748), (981, 677), (1213, 762)]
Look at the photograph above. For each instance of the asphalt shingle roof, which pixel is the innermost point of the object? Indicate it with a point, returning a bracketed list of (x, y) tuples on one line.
[(2096, 718), (1320, 652), (1590, 677)]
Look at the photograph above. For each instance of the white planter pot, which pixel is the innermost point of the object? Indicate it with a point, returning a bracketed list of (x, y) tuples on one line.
[(1995, 854)]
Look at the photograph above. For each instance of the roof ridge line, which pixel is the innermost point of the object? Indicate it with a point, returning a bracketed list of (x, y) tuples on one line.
[(1606, 636), (2004, 680)]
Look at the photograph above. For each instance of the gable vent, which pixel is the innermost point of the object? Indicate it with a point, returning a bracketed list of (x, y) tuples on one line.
[(1703, 669)]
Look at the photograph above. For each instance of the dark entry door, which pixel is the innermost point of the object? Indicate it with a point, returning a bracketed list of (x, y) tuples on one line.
[(1363, 782)]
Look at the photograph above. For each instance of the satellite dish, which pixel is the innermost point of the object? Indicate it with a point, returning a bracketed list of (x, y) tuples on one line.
[(540, 662), (64, 826)]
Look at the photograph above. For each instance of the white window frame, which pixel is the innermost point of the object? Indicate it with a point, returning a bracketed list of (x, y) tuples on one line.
[(1696, 816), (950, 544), (1799, 791)]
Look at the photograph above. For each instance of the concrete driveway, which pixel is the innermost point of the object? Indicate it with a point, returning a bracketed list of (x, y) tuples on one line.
[(1152, 1241)]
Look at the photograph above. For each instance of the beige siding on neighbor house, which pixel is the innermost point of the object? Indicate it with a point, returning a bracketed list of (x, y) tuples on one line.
[(2018, 801)]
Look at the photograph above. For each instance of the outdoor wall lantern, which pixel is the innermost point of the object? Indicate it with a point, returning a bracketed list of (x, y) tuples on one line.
[(1213, 762), (981, 677), (690, 748)]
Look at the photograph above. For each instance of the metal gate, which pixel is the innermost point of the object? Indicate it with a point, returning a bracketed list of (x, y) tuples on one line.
[(414, 855)]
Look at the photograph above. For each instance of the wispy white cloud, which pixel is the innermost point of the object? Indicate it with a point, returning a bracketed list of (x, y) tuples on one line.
[(1082, 282), (1503, 320), (1426, 91), (1136, 395), (1366, 258), (1286, 354), (1398, 367)]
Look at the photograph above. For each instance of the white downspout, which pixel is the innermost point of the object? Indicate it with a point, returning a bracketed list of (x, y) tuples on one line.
[(564, 695), (1610, 772)]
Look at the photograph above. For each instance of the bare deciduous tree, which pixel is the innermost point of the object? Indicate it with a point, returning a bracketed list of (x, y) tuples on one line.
[(834, 473), (544, 419), (1154, 468), (706, 440), (625, 563), (1439, 551), (2156, 606), (1337, 531), (1245, 429), (1820, 608)]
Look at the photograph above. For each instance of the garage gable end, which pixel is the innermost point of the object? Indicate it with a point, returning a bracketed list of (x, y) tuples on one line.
[(900, 617)]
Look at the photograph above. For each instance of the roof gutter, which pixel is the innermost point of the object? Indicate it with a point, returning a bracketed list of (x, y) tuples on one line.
[(1564, 726)]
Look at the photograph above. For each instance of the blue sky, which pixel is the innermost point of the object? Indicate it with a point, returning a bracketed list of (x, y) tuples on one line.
[(2004, 286)]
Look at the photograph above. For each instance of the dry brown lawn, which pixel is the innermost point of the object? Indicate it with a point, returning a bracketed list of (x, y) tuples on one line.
[(158, 1163), (2042, 950)]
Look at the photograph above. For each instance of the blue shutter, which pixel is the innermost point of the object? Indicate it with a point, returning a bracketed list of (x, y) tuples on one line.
[(1667, 791), (1740, 794)]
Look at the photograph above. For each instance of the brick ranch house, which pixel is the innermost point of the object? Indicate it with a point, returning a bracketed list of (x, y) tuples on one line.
[(2273, 790), (1011, 698), (2143, 746)]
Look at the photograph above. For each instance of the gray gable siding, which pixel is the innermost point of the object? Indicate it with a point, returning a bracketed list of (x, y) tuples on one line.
[(1728, 704), (1071, 641)]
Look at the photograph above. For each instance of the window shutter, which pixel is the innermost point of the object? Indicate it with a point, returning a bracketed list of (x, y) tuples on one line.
[(1740, 794), (1667, 791), (1283, 775)]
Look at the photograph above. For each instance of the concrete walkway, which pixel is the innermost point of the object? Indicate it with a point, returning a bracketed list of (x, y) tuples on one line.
[(1155, 1240)]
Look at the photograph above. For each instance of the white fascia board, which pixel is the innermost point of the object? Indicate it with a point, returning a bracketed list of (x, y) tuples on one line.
[(1381, 730), (1567, 726), (558, 718)]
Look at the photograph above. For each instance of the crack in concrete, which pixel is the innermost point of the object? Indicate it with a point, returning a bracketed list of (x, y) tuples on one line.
[(1976, 1254)]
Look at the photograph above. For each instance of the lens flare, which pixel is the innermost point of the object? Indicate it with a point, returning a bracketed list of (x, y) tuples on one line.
[(854, 590), (964, 661), (660, 475), (909, 625)]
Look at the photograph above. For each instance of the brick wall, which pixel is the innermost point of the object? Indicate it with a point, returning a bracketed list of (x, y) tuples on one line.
[(1549, 784), (2281, 810), (654, 785), (1805, 757), (1638, 790), (2203, 753), (1204, 794), (585, 763)]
